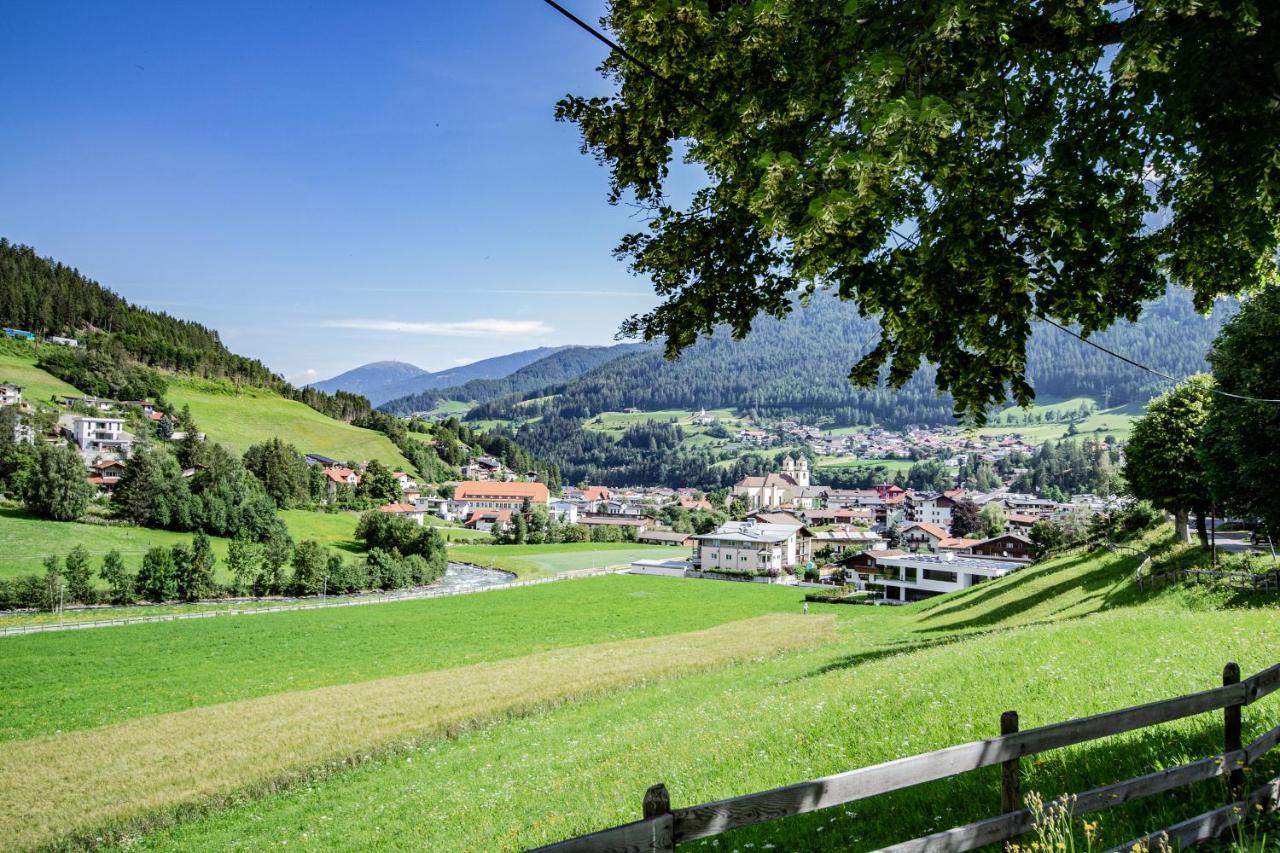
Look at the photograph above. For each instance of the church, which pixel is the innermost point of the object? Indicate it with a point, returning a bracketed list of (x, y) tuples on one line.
[(789, 488)]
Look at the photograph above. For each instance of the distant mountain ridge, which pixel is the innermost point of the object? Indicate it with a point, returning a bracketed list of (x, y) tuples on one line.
[(381, 381), (560, 366)]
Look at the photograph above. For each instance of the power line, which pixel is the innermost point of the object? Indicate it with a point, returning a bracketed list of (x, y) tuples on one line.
[(627, 55), (648, 69), (1142, 366)]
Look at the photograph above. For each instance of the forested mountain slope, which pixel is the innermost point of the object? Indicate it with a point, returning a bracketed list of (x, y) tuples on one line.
[(798, 367), (368, 380), (558, 367), (50, 298)]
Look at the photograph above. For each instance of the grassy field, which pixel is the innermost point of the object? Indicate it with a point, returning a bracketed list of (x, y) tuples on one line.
[(1116, 421), (506, 720), (848, 463), (533, 561), (256, 415), (17, 364)]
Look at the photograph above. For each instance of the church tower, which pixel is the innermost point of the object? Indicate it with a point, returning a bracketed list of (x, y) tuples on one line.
[(802, 472)]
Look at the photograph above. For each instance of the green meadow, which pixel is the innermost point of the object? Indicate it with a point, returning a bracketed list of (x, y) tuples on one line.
[(514, 718), (1116, 421), (239, 419), (534, 561), (18, 365)]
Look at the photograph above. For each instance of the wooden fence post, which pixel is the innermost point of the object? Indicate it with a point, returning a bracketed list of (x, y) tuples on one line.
[(657, 802), (1010, 783), (1231, 726)]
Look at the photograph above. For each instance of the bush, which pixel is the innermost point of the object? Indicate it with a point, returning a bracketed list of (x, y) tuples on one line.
[(24, 592)]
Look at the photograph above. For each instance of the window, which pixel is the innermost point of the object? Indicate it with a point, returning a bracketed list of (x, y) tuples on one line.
[(936, 575)]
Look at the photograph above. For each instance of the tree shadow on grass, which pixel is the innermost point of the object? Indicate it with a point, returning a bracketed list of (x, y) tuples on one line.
[(947, 604)]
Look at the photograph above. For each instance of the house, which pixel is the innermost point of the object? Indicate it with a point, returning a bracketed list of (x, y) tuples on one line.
[(98, 435), (10, 395), (148, 408), (790, 487), (564, 510), (338, 476), (912, 577), (488, 519), (62, 342), (105, 475), (491, 494), (868, 562), (1020, 523), (751, 547), (917, 536), (90, 402), (933, 509), (405, 482), (957, 544), (844, 540), (665, 537), (776, 516), (819, 517), (20, 334), (483, 468), (413, 512), (1008, 545), (691, 503), (852, 498)]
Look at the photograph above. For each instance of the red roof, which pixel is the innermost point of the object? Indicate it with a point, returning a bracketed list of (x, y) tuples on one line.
[(596, 493), (932, 529), (339, 475), (489, 490), (489, 516), (399, 508), (688, 502), (1019, 518)]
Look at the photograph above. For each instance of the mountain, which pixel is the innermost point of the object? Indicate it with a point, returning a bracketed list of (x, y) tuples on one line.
[(368, 379), (561, 366), (389, 380), (797, 367)]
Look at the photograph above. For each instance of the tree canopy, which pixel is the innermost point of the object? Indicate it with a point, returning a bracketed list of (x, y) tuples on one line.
[(956, 169)]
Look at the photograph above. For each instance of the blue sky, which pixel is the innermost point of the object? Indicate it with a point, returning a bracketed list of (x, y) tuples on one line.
[(326, 184)]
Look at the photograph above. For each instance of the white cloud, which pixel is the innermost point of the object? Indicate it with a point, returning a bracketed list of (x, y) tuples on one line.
[(304, 377), (460, 328)]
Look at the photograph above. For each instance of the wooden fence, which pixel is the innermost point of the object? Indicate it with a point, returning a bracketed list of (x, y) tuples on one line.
[(662, 828)]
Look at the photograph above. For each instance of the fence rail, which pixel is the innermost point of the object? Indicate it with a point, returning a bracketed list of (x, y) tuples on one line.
[(662, 828), (289, 608)]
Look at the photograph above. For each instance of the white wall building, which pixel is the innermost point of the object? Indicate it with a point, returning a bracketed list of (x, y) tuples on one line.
[(100, 435), (912, 577), (10, 395), (749, 546)]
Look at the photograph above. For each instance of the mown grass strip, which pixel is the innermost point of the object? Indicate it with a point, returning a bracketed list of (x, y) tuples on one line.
[(66, 784)]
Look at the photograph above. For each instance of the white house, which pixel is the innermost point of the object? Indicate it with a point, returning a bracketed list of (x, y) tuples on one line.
[(414, 513), (10, 395), (100, 435), (933, 509), (847, 539), (749, 546), (791, 487), (912, 577), (405, 482), (564, 510)]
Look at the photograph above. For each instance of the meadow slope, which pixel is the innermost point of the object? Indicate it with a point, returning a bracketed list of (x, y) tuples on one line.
[(1067, 638)]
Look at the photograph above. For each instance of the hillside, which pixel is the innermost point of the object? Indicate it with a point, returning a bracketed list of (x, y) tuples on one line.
[(560, 366), (238, 419), (508, 720), (797, 367), (388, 380)]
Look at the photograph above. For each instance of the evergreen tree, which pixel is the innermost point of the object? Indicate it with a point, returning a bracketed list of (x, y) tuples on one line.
[(965, 518)]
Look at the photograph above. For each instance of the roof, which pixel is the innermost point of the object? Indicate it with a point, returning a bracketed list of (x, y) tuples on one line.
[(1020, 518), (665, 536), (746, 531), (1015, 536), (929, 527), (596, 493), (474, 490), (323, 460), (399, 508), (108, 463), (339, 475), (951, 560), (847, 536), (958, 542), (776, 481), (777, 518), (496, 516), (690, 502), (615, 520)]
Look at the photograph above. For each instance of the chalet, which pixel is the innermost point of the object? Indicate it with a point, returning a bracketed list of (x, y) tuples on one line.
[(764, 549), (1028, 505), (819, 517), (104, 475), (1020, 523), (405, 482), (1008, 545), (912, 577), (483, 468), (957, 544), (337, 477), (413, 512), (10, 395), (691, 503), (489, 494), (488, 519), (922, 536)]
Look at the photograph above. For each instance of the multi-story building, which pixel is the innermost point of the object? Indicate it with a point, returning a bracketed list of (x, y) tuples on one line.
[(100, 435), (10, 395), (494, 494), (749, 546), (912, 577)]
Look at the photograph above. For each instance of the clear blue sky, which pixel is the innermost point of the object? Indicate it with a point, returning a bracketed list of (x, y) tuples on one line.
[(326, 184)]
